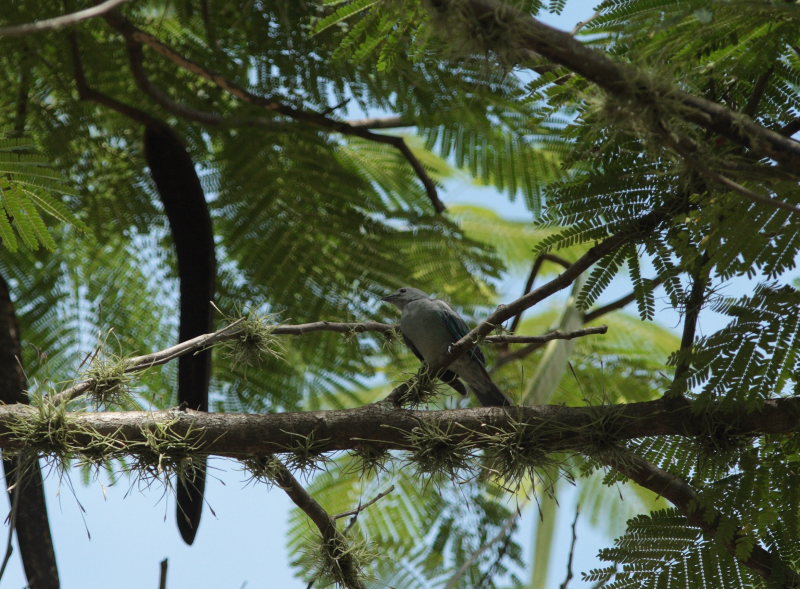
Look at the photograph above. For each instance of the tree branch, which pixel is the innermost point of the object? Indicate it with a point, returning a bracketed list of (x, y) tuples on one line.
[(59, 22), (239, 327), (136, 61), (362, 506), (86, 92), (503, 533), (334, 541), (381, 123), (549, 336), (694, 304), (618, 304), (688, 150), (626, 81), (380, 426), (136, 35), (537, 266), (571, 548)]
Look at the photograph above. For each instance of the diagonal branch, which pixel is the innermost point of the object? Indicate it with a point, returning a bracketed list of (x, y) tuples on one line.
[(86, 92), (619, 303), (537, 266), (492, 18), (362, 506), (504, 532), (700, 513), (688, 150), (334, 541), (60, 22), (135, 35)]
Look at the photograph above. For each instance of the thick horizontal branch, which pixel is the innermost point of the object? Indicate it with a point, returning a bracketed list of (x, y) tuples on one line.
[(555, 427)]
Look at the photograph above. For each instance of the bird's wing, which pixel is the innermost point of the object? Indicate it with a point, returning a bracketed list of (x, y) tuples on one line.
[(447, 376), (458, 329)]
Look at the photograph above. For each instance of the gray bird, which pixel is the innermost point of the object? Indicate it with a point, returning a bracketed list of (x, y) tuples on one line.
[(429, 328)]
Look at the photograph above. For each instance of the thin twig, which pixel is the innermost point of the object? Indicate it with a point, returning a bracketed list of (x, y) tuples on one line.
[(572, 548), (59, 22), (537, 265), (12, 523), (746, 192), (549, 336), (362, 506), (619, 303), (688, 149), (136, 35), (454, 580), (583, 23)]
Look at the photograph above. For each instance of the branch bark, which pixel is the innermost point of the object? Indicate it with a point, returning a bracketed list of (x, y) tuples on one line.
[(381, 426), (334, 541)]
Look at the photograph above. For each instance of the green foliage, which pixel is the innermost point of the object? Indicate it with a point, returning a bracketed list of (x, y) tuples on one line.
[(27, 184), (662, 550), (755, 356)]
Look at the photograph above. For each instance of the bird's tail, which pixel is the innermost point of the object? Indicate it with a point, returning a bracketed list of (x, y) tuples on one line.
[(488, 394)]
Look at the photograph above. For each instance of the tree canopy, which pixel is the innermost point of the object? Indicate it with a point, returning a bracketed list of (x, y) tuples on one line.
[(204, 202)]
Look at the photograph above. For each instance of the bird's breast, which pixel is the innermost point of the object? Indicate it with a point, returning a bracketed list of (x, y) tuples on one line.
[(425, 327)]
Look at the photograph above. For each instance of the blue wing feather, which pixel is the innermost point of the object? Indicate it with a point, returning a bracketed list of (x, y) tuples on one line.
[(458, 329)]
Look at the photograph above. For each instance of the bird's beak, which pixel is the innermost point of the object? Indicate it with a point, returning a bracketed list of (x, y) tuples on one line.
[(387, 298)]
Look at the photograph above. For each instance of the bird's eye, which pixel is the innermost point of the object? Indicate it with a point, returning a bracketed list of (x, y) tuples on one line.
[(402, 290)]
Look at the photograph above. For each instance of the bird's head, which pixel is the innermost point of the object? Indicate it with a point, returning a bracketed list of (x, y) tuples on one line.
[(401, 297)]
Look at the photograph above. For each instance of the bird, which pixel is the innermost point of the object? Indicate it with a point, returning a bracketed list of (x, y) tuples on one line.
[(429, 327)]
